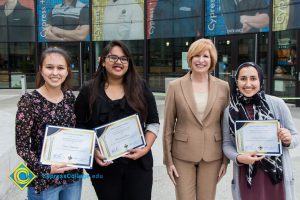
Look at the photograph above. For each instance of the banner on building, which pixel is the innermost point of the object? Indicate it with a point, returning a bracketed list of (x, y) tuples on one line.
[(286, 14), (60, 22), (17, 21), (224, 17), (172, 19), (118, 20)]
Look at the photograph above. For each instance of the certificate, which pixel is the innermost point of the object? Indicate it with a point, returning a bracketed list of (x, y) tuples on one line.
[(68, 146), (116, 138), (257, 135)]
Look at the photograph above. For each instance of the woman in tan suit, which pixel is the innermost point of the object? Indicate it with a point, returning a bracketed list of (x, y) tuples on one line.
[(192, 137)]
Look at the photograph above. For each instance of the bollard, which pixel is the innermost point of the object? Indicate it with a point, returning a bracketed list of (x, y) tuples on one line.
[(23, 84)]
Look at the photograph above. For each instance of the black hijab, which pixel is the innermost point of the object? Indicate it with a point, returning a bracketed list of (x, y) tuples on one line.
[(270, 164)]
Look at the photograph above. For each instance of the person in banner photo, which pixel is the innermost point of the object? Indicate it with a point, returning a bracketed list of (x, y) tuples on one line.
[(15, 19), (243, 16), (123, 20), (68, 21), (254, 177), (192, 140), (52, 103), (176, 18), (115, 92)]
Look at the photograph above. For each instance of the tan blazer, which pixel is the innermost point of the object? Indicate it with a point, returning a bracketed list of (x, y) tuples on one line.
[(185, 135)]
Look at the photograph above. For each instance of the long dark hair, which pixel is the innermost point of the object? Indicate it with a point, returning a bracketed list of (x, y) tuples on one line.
[(133, 83), (40, 81)]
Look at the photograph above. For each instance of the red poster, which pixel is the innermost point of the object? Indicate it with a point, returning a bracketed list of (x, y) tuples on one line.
[(150, 9)]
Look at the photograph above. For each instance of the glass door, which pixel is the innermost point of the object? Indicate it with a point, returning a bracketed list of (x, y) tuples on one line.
[(233, 51), (74, 51), (4, 68), (246, 50), (285, 71), (225, 62), (86, 72), (17, 59)]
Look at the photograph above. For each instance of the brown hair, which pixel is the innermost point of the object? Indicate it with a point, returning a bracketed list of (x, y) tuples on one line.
[(133, 83), (202, 45), (51, 50)]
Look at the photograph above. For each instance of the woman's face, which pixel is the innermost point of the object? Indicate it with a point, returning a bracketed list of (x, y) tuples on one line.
[(54, 70), (248, 81), (116, 63), (201, 62)]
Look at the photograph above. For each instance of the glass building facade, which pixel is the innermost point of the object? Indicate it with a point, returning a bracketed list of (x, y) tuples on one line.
[(159, 33)]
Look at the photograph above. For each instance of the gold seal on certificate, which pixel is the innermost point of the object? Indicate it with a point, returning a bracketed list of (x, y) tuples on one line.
[(116, 138), (68, 146), (258, 135)]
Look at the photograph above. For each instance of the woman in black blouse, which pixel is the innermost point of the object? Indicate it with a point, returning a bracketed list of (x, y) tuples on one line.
[(115, 92)]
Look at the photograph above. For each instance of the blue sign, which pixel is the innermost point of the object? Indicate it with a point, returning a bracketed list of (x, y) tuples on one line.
[(224, 17), (59, 22)]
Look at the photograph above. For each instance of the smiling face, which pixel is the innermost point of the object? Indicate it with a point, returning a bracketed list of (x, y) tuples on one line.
[(201, 62), (248, 81), (115, 63), (54, 70)]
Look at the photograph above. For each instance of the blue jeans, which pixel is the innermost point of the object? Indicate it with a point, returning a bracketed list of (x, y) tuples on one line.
[(71, 191)]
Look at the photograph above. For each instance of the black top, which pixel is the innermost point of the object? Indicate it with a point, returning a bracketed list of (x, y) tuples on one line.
[(106, 110), (18, 26)]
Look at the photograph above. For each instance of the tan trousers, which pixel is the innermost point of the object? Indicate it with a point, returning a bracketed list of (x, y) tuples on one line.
[(196, 180)]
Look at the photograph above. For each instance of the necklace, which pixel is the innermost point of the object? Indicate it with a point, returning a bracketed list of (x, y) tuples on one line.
[(58, 97)]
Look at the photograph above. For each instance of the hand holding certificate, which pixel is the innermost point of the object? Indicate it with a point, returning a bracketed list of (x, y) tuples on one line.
[(116, 138), (260, 136), (68, 146)]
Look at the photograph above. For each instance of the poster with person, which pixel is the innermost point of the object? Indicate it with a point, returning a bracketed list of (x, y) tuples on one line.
[(118, 20), (17, 21), (224, 17), (286, 14), (172, 19), (63, 20), (214, 21)]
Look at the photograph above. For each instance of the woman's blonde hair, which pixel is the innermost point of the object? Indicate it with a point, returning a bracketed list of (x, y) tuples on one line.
[(198, 47)]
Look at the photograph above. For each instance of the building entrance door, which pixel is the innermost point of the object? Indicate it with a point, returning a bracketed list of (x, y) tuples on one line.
[(286, 77), (233, 51)]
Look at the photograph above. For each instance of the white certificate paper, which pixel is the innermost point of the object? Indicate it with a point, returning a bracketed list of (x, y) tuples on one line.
[(116, 138), (258, 135), (68, 146)]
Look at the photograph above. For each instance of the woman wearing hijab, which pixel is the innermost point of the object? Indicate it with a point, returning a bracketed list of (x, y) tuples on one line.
[(254, 177)]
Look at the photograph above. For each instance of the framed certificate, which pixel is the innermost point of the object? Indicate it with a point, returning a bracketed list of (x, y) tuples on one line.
[(68, 146), (258, 135), (116, 138)]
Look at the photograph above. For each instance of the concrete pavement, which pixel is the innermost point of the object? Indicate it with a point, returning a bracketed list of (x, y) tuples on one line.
[(162, 187)]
